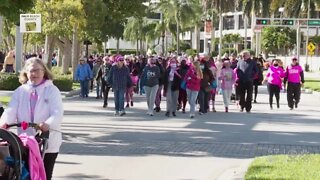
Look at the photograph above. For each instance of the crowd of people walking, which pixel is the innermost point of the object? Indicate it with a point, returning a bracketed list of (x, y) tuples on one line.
[(192, 80)]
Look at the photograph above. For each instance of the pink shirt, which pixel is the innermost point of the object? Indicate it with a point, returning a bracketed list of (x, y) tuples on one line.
[(293, 73)]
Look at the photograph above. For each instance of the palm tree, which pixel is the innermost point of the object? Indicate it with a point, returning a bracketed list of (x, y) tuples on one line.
[(236, 39), (253, 8), (215, 8), (178, 14)]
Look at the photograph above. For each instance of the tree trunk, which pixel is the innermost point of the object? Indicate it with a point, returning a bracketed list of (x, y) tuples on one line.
[(7, 30), (118, 45), (141, 46), (66, 60), (220, 32), (245, 31), (75, 54), (197, 34), (1, 24), (213, 30), (26, 42), (137, 47), (49, 48)]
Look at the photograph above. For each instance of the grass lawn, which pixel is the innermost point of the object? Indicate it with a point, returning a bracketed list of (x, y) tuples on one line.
[(5, 100), (313, 84), (291, 167)]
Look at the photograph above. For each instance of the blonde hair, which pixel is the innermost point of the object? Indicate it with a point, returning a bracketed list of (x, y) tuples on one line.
[(23, 78), (196, 65)]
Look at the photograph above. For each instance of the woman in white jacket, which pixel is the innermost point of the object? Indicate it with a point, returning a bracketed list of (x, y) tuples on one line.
[(37, 100)]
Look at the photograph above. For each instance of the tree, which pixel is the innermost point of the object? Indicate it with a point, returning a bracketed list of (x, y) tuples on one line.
[(11, 10), (278, 39), (178, 13)]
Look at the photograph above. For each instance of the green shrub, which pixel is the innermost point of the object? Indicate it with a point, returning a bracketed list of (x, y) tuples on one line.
[(228, 51), (9, 81), (191, 52), (122, 52), (63, 82)]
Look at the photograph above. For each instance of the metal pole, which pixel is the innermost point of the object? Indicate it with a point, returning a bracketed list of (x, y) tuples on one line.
[(298, 40), (307, 40), (18, 51)]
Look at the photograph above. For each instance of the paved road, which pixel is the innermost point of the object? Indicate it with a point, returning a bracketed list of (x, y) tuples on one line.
[(98, 145)]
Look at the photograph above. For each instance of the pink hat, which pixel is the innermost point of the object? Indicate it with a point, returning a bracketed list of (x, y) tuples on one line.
[(119, 58)]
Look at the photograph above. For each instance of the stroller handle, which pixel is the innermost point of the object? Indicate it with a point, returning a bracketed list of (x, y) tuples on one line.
[(24, 125)]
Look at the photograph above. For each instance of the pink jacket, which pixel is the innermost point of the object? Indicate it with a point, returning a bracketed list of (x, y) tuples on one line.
[(274, 75), (227, 77), (36, 166), (192, 80)]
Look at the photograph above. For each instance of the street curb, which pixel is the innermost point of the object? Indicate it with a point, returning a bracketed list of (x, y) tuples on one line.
[(71, 93), (236, 173)]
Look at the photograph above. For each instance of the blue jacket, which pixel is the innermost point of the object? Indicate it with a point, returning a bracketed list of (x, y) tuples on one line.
[(84, 72)]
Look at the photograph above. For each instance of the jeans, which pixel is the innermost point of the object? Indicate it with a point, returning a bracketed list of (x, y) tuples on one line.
[(119, 99), (158, 96), (226, 96), (192, 98), (172, 99), (84, 86), (98, 89), (151, 93), (204, 100)]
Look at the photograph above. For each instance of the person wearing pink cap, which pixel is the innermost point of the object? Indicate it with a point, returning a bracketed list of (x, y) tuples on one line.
[(227, 78), (119, 79), (172, 81), (295, 78)]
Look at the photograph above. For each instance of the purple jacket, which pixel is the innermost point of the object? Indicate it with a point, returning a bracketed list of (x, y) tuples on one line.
[(274, 75), (192, 80), (227, 77)]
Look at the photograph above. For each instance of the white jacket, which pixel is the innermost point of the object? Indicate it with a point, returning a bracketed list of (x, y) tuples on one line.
[(48, 109)]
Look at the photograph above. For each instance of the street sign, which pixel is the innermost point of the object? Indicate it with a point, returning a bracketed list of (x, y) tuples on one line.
[(311, 47), (314, 22), (30, 23)]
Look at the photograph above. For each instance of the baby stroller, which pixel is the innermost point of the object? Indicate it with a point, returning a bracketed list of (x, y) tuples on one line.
[(14, 156)]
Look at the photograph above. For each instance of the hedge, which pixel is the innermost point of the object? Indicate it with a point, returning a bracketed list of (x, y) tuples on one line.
[(122, 52), (9, 81)]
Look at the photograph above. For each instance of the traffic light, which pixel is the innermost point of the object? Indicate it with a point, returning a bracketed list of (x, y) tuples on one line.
[(262, 22), (288, 22)]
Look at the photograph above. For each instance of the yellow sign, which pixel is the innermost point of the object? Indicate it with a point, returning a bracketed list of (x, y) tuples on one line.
[(311, 47), (310, 53)]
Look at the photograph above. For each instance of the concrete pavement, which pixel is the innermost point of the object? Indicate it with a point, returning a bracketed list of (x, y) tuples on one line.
[(98, 145)]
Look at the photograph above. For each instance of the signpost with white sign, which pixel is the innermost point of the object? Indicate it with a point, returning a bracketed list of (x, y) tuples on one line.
[(30, 23)]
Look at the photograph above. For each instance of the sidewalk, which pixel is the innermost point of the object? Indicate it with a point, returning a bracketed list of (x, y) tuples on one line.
[(98, 145)]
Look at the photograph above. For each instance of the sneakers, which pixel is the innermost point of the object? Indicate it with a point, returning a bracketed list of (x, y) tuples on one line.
[(255, 101), (127, 105), (157, 109), (226, 109), (296, 105), (131, 103), (174, 114), (183, 111), (214, 110), (122, 113), (105, 105), (116, 113), (168, 114), (191, 116)]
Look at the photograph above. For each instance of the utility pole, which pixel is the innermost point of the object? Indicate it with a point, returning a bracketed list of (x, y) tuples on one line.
[(307, 39)]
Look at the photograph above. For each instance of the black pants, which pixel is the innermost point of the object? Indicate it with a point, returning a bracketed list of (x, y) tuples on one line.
[(49, 161), (203, 98), (182, 99), (293, 94), (245, 88), (274, 90), (255, 91), (105, 91)]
